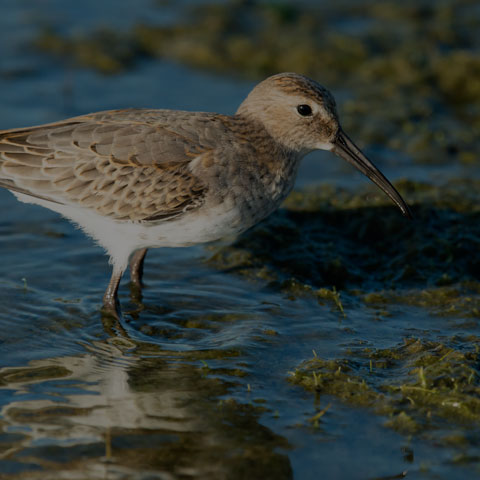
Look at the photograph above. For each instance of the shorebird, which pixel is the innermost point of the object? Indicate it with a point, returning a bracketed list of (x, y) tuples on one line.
[(137, 178)]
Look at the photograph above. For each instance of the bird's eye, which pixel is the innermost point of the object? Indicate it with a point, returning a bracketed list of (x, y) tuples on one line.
[(304, 110)]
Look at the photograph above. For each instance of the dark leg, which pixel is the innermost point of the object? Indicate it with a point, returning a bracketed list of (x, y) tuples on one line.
[(136, 267), (111, 305)]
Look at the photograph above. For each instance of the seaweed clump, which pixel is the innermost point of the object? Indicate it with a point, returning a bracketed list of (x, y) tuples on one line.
[(417, 386), (104, 50)]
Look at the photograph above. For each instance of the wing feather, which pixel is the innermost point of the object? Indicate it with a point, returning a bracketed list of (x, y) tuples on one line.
[(129, 164)]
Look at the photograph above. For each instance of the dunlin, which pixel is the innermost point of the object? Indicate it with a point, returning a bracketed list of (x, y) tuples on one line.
[(134, 179)]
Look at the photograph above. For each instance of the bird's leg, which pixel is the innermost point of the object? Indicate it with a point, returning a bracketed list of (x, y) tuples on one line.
[(136, 267), (136, 272), (111, 305)]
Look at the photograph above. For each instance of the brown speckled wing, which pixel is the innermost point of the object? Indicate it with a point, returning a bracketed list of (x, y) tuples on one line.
[(128, 165)]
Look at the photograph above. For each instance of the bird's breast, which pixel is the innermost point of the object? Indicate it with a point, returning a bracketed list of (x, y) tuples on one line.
[(255, 190)]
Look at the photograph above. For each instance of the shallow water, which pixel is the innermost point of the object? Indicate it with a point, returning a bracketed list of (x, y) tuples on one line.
[(195, 381)]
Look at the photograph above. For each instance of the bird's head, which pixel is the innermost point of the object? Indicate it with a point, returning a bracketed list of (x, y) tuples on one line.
[(301, 115)]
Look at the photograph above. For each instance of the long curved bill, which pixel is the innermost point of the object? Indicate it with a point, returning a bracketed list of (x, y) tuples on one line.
[(345, 148)]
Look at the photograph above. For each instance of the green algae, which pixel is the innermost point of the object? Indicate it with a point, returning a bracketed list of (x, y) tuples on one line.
[(463, 300), (331, 295), (104, 50), (336, 378), (416, 386)]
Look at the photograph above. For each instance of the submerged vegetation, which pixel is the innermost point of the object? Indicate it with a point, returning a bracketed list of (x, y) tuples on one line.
[(416, 385)]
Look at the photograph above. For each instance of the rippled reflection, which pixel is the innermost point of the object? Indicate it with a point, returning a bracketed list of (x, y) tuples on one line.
[(108, 413)]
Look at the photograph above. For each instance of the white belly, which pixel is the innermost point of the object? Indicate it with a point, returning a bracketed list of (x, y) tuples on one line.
[(121, 238)]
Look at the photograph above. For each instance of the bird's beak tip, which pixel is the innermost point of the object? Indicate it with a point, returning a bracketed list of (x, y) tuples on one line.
[(346, 149), (407, 213)]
